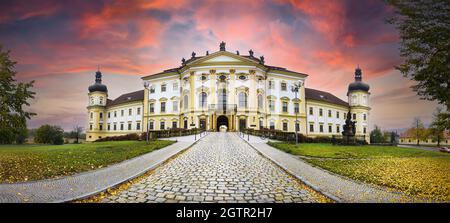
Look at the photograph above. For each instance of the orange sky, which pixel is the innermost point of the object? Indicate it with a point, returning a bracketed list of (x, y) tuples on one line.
[(60, 45)]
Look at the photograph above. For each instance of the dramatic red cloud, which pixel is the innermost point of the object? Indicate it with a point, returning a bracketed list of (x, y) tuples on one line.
[(326, 39)]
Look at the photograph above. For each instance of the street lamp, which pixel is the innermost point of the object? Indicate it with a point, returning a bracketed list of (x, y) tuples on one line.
[(195, 130), (294, 88), (146, 84)]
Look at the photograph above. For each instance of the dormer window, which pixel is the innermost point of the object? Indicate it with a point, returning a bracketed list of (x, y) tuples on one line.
[(242, 77), (222, 77), (101, 100)]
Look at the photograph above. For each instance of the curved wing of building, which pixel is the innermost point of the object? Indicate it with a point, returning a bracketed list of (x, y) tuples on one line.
[(226, 89)]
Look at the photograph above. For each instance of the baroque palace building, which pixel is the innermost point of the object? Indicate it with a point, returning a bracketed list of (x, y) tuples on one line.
[(227, 89)]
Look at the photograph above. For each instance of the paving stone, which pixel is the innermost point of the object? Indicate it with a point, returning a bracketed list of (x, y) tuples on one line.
[(219, 168)]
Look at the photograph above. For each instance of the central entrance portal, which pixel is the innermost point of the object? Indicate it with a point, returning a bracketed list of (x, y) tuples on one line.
[(222, 120)]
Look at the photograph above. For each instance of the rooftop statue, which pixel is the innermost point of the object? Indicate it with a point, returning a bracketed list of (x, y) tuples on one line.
[(222, 46)]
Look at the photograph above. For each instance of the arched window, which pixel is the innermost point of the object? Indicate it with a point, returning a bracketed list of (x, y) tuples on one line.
[(202, 99), (242, 100), (186, 102), (260, 101)]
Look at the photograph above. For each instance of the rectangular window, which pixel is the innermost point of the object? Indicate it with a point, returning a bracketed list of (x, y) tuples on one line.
[(338, 130), (129, 126), (138, 126), (92, 115), (138, 112), (320, 112), (174, 124), (152, 90), (345, 115), (297, 127), (271, 85), (283, 86), (100, 115), (337, 114), (162, 125), (115, 127), (115, 114), (272, 125), (330, 129), (121, 126), (261, 125), (163, 106), (364, 130), (329, 113), (109, 114), (311, 127), (296, 108), (130, 112), (175, 106), (354, 116), (321, 128), (285, 106), (152, 108), (285, 126), (163, 88), (121, 113), (151, 125), (109, 127), (364, 116), (100, 127), (175, 87), (272, 105), (90, 127), (311, 112)]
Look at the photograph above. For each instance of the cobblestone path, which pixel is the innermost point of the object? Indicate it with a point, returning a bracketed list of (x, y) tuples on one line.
[(219, 168)]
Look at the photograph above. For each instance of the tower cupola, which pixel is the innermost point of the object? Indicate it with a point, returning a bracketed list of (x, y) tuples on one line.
[(98, 86), (358, 84)]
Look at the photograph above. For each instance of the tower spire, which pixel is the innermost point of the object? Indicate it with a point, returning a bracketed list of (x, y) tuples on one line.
[(358, 74), (98, 76)]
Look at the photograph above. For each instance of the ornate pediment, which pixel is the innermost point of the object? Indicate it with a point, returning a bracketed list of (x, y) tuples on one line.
[(271, 97), (242, 88), (222, 58)]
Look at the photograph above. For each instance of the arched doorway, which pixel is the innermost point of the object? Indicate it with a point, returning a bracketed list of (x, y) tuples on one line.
[(222, 120)]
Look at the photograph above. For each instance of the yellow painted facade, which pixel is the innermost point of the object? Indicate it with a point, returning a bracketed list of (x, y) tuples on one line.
[(220, 88)]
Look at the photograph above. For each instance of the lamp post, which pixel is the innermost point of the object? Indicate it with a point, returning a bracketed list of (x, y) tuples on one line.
[(146, 84), (294, 88), (195, 130)]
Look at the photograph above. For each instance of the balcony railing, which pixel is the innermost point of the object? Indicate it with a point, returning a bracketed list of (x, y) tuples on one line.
[(222, 108)]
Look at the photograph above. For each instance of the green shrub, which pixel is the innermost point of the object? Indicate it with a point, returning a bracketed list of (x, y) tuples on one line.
[(48, 134)]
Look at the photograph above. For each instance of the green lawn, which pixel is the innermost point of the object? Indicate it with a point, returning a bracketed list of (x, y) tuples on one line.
[(421, 173), (20, 163)]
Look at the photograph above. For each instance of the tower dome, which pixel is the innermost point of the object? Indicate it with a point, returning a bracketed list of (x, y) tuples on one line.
[(358, 85), (98, 86)]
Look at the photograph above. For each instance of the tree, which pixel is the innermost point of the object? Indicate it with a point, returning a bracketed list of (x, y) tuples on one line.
[(418, 131), (76, 133), (49, 135), (21, 135), (13, 97), (439, 125), (424, 28), (376, 136)]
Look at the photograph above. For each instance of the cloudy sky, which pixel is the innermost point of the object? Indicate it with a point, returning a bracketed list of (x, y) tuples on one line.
[(60, 44)]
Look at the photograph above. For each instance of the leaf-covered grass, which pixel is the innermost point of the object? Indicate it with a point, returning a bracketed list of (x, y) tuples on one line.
[(19, 163), (421, 173)]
